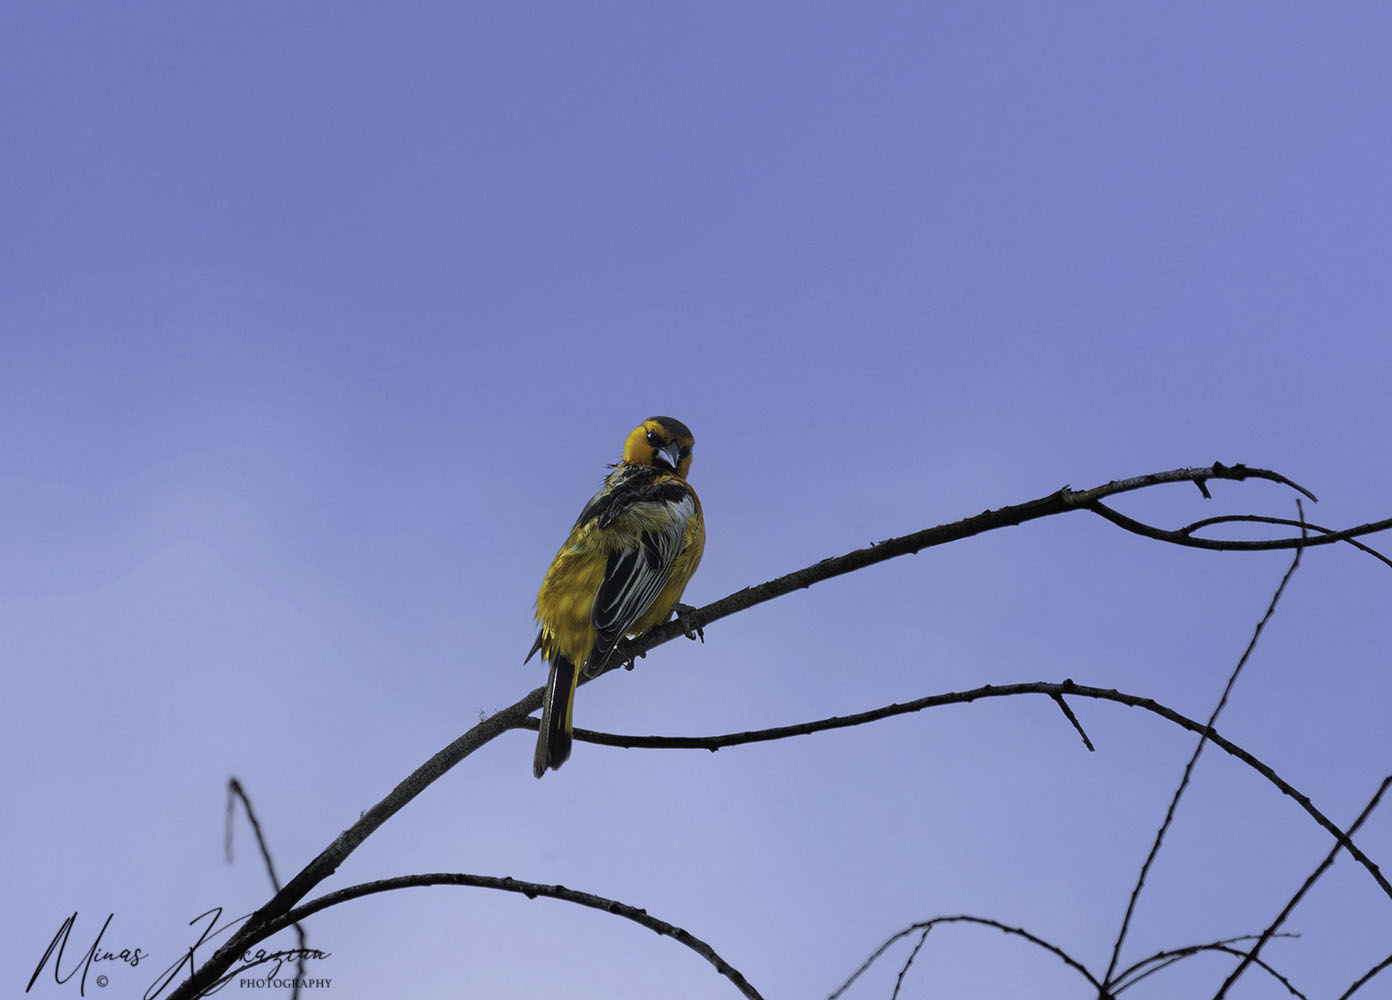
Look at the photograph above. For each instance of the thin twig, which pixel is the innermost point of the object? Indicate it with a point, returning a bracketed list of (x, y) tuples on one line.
[(236, 792), (1068, 714), (1194, 759)]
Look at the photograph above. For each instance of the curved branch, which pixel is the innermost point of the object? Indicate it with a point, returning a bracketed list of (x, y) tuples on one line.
[(960, 918), (1164, 959), (1050, 689), (531, 890), (1347, 535), (1199, 477), (1181, 536)]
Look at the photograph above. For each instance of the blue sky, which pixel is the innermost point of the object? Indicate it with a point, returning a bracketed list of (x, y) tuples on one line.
[(320, 323)]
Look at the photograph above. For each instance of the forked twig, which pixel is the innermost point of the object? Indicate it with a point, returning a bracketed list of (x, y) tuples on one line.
[(908, 964)]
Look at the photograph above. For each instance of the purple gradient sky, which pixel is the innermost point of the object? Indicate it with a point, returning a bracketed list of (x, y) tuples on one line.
[(321, 321)]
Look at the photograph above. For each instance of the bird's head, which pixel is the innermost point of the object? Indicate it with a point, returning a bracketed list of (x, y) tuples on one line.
[(661, 442)]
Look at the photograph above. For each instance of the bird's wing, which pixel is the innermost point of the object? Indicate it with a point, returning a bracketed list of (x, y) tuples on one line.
[(636, 575)]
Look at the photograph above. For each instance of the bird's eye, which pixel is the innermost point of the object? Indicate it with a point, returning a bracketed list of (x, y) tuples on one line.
[(652, 437)]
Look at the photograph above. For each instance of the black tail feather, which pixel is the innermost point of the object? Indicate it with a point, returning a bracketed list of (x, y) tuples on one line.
[(553, 741)]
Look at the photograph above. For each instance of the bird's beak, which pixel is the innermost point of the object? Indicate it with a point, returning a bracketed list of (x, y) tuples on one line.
[(669, 454)]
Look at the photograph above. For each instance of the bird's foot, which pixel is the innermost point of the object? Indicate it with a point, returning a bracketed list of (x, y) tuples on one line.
[(691, 629), (624, 657)]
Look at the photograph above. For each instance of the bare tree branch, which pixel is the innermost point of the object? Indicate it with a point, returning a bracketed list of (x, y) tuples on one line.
[(1047, 688), (253, 929), (514, 716), (531, 890), (1059, 502)]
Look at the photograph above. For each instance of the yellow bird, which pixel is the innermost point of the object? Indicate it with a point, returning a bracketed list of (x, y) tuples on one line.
[(621, 571)]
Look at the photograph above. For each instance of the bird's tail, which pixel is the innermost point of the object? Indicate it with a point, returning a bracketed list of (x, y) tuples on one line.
[(553, 741)]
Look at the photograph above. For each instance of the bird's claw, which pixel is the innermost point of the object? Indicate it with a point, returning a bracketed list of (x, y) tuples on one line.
[(690, 629), (624, 657)]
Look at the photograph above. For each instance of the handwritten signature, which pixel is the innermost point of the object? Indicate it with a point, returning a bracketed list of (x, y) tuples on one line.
[(184, 965)]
